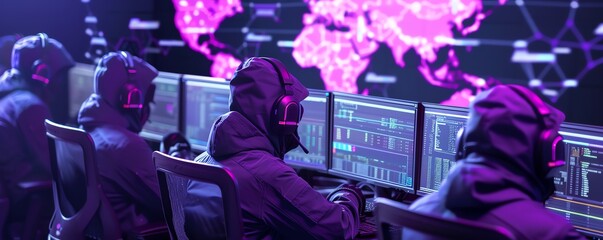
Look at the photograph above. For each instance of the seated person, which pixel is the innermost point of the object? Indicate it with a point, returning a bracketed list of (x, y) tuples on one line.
[(502, 176), (114, 115), (25, 91), (251, 141)]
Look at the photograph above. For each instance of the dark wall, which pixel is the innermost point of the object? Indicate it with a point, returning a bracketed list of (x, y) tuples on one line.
[(64, 20)]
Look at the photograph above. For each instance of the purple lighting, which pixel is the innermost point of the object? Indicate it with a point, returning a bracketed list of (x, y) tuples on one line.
[(356, 28), (341, 56), (196, 18), (340, 37)]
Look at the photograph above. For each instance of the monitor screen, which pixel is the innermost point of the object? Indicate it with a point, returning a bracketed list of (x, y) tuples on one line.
[(165, 109), (313, 134), (81, 84), (206, 100), (578, 196), (440, 126), (374, 140)]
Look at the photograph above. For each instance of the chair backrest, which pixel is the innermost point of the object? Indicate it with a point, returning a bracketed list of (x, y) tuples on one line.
[(81, 208), (169, 168), (391, 213)]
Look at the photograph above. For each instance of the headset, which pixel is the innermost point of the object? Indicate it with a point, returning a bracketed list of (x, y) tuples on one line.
[(549, 150), (39, 69), (131, 97), (286, 112)]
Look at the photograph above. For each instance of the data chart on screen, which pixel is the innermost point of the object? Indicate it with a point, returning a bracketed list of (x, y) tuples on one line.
[(578, 194), (374, 140), (440, 127), (206, 99)]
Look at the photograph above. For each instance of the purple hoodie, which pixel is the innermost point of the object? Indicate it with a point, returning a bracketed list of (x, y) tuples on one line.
[(24, 104), (275, 202), (125, 163), (496, 182)]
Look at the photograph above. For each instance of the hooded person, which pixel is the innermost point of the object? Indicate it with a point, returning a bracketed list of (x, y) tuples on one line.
[(251, 141), (502, 176), (113, 115), (39, 64), (24, 105)]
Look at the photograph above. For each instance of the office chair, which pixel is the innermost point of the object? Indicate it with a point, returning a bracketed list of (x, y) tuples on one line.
[(392, 213), (81, 207), (174, 174)]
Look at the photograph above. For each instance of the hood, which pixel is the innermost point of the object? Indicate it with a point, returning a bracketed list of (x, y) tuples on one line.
[(6, 49), (47, 58), (254, 89), (28, 50), (233, 133), (110, 77), (501, 135)]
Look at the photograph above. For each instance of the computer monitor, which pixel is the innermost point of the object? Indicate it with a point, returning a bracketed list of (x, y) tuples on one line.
[(578, 196), (374, 140), (438, 148), (206, 99), (313, 133), (164, 109), (81, 84)]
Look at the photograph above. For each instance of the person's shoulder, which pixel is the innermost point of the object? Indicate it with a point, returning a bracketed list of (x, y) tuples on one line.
[(30, 108), (263, 166), (532, 220), (266, 166), (432, 203), (24, 100), (118, 137)]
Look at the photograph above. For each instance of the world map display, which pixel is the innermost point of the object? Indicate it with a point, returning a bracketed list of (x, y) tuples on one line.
[(340, 37)]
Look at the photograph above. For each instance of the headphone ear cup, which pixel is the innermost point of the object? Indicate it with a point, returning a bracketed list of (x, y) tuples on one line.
[(40, 71), (552, 152), (131, 97), (460, 144), (287, 115)]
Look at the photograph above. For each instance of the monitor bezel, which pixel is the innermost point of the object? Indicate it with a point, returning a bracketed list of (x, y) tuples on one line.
[(410, 105), (165, 77), (419, 160), (188, 80), (328, 95)]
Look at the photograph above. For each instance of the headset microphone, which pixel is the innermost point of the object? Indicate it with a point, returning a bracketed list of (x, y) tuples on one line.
[(301, 145)]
